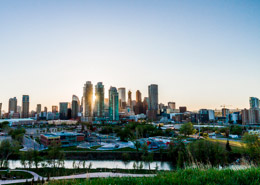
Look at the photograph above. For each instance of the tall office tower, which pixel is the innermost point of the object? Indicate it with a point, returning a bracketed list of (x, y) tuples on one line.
[(138, 107), (183, 109), (75, 107), (39, 108), (25, 106), (64, 107), (45, 109), (153, 101), (99, 100), (145, 104), (122, 98), (254, 103), (129, 99), (138, 96), (12, 105), (113, 104), (87, 100), (0, 110), (54, 109), (171, 105)]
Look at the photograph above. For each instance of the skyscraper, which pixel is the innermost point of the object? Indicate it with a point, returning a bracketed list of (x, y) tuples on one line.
[(87, 100), (130, 99), (99, 100), (64, 107), (113, 104), (138, 96), (153, 101), (75, 107), (54, 109), (25, 106), (254, 103), (45, 109), (138, 108), (12, 105), (122, 98), (39, 108)]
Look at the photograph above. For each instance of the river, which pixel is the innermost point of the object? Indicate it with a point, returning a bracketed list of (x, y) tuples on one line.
[(101, 164)]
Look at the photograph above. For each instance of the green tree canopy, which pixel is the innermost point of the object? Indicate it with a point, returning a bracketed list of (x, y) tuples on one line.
[(187, 129)]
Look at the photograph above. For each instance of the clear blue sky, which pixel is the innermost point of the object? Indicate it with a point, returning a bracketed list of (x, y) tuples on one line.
[(201, 53)]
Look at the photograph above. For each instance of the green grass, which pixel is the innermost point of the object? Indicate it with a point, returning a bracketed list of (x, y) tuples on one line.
[(235, 145), (15, 175), (180, 177)]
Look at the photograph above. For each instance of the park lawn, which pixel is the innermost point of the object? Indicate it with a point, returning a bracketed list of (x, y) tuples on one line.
[(17, 175), (235, 145)]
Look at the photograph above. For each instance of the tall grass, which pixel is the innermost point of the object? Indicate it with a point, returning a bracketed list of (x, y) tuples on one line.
[(181, 177)]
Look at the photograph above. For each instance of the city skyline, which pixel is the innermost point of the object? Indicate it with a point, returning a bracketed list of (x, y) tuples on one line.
[(201, 54), (34, 105)]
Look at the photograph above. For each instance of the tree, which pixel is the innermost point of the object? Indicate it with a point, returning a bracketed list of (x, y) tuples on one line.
[(236, 130), (252, 148), (125, 134), (137, 145), (207, 152), (55, 155), (228, 147), (187, 129), (7, 148)]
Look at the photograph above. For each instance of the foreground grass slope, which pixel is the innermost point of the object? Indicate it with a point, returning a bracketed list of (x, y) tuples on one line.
[(180, 177)]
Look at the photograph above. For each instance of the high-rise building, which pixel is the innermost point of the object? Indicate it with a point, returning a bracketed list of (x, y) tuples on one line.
[(39, 108), (99, 100), (171, 105), (145, 104), (138, 107), (12, 105), (129, 100), (54, 109), (254, 103), (64, 107), (153, 101), (138, 96), (75, 107), (183, 109), (113, 104), (122, 98), (25, 106), (87, 100), (45, 109)]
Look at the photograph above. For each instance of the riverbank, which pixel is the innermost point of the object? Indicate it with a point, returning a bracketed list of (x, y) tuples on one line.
[(184, 177)]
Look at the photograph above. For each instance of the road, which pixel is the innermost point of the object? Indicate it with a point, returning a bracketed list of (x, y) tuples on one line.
[(79, 176)]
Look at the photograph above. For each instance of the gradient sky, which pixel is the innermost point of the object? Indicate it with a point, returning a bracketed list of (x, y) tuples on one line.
[(202, 54)]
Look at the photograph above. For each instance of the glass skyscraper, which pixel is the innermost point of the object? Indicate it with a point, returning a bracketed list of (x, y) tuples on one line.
[(99, 100), (113, 104)]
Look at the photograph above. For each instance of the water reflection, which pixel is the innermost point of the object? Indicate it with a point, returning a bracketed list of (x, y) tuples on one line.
[(101, 164)]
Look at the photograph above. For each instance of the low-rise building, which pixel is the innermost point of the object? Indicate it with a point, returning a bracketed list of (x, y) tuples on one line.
[(66, 139)]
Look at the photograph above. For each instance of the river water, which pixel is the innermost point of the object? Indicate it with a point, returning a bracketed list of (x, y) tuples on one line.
[(101, 164)]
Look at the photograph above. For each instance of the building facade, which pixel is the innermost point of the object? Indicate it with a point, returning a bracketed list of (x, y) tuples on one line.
[(153, 101), (99, 100), (75, 107), (113, 104), (87, 101), (25, 106)]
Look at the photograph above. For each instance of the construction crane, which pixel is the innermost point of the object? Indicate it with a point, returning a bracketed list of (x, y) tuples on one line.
[(224, 106)]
